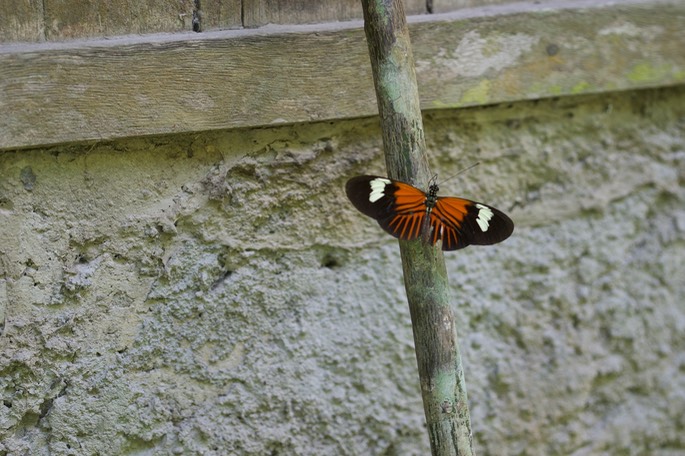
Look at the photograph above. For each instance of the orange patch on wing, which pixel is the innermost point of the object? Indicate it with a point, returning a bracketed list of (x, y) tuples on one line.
[(408, 199), (408, 226), (451, 210)]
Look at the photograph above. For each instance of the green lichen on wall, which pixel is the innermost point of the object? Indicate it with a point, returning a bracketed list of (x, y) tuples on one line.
[(216, 293)]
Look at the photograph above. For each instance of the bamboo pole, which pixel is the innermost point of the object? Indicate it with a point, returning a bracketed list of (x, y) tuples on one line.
[(425, 278)]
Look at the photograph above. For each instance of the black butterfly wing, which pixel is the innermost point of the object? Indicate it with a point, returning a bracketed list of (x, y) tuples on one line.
[(460, 222), (398, 208)]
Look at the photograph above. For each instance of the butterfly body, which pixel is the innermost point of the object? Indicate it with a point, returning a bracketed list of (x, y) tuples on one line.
[(408, 213)]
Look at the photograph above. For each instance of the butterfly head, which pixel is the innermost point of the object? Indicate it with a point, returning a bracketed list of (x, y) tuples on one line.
[(433, 186), (432, 195), (433, 190)]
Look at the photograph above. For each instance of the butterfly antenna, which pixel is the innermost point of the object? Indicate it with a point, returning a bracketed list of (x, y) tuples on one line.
[(458, 173)]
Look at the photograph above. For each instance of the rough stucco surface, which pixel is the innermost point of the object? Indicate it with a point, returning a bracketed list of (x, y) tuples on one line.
[(216, 294)]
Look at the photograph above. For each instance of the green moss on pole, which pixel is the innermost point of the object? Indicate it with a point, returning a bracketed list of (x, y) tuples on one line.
[(425, 277)]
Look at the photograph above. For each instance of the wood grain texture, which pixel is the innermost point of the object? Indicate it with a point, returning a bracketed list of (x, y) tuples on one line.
[(444, 6), (221, 14), (62, 20), (262, 12), (56, 93), (70, 19), (22, 20)]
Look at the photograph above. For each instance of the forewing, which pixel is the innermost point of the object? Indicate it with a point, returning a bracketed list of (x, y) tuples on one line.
[(409, 211), (399, 208)]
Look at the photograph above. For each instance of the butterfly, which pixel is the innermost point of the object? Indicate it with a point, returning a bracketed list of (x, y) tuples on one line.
[(409, 213)]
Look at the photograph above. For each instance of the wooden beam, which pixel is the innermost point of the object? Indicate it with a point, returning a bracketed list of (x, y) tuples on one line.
[(60, 20), (257, 13), (133, 86)]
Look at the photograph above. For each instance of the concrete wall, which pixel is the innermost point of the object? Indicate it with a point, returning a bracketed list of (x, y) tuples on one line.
[(216, 293)]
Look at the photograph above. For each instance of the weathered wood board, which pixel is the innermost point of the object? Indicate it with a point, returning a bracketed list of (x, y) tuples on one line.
[(54, 93), (62, 20), (261, 12)]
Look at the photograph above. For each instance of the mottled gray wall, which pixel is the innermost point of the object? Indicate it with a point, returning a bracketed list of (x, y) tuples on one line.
[(217, 294)]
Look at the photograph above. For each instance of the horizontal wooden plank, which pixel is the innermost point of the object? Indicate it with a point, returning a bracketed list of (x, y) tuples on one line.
[(22, 20), (61, 20), (443, 6), (56, 93), (261, 12), (71, 19)]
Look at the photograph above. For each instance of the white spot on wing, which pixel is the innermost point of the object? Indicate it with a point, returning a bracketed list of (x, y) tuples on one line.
[(484, 216), (377, 187)]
